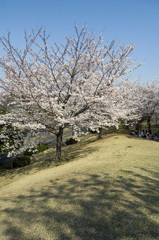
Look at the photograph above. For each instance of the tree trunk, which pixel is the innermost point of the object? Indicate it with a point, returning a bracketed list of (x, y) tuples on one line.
[(149, 124), (59, 136), (156, 121), (100, 133), (127, 127)]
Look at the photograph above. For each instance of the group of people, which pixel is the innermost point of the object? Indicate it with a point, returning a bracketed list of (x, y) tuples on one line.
[(144, 134)]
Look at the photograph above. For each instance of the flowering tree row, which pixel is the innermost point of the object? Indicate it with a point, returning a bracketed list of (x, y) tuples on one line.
[(148, 103), (80, 83)]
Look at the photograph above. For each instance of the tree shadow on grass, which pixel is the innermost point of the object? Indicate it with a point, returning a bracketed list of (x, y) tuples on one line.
[(85, 207), (46, 160)]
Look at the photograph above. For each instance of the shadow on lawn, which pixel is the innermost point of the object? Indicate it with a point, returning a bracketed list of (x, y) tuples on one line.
[(47, 159), (91, 207)]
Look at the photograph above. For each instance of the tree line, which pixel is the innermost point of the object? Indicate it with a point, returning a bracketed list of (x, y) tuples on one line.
[(82, 83)]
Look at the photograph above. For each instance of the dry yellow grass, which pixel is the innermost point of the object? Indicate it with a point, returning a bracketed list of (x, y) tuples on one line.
[(110, 191)]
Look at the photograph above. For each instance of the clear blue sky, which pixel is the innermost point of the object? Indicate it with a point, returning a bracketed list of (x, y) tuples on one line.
[(127, 21)]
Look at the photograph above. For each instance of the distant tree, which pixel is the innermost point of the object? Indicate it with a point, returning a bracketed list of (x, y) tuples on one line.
[(118, 105), (148, 104), (56, 85)]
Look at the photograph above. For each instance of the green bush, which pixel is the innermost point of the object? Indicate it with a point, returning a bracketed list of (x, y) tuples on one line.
[(21, 161), (24, 159), (41, 147), (70, 141)]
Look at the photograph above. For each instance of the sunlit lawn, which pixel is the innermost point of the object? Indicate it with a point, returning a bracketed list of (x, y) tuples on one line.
[(105, 189)]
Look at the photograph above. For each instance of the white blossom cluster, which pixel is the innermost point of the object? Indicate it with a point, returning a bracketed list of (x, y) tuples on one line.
[(79, 84)]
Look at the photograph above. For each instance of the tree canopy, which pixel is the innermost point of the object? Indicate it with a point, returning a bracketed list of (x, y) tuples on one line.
[(79, 83)]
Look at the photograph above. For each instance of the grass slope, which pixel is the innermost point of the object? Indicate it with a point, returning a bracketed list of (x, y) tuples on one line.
[(110, 191)]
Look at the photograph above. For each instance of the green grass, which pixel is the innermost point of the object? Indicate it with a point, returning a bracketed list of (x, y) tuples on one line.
[(103, 190)]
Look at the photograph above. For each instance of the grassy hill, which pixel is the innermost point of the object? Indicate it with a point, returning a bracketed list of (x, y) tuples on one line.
[(110, 191)]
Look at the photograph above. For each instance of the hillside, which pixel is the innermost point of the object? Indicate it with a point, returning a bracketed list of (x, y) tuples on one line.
[(110, 191)]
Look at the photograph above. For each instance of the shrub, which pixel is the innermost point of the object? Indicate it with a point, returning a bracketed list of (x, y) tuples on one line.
[(24, 159), (41, 147), (21, 161), (70, 141)]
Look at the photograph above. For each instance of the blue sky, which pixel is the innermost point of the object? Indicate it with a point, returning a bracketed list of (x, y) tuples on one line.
[(127, 21)]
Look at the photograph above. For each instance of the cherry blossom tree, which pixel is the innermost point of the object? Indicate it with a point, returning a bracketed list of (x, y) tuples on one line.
[(73, 84), (118, 105), (148, 104)]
